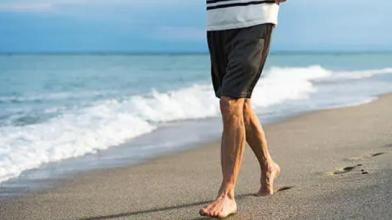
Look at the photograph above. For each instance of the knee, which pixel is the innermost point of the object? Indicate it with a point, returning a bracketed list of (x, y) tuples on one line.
[(247, 106), (231, 106), (247, 109)]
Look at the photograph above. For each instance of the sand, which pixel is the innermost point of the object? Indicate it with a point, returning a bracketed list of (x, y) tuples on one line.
[(336, 164)]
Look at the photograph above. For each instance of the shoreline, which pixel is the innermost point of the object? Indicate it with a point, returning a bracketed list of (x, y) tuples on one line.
[(54, 131), (48, 175), (327, 158)]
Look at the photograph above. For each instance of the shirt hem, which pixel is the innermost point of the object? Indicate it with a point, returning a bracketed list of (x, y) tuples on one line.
[(239, 25)]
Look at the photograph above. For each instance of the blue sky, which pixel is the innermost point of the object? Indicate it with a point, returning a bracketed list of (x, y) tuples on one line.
[(178, 25)]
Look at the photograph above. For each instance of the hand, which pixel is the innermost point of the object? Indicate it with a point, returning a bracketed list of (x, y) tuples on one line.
[(279, 1)]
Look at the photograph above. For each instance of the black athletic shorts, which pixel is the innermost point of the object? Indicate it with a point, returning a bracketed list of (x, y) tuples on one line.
[(237, 59)]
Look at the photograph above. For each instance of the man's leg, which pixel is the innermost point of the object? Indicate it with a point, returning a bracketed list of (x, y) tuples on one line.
[(255, 137), (232, 148)]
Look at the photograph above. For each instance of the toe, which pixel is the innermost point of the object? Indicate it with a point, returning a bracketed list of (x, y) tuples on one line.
[(218, 212), (203, 211), (211, 208)]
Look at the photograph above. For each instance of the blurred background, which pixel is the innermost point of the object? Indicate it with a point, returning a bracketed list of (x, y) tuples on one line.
[(178, 26), (79, 77)]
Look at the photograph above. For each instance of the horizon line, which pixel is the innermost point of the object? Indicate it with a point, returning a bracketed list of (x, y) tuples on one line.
[(182, 52)]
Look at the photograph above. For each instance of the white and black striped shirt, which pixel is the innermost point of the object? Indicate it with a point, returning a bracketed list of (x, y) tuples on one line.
[(231, 14)]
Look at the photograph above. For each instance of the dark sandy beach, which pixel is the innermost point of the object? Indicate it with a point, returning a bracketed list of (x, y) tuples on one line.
[(336, 164)]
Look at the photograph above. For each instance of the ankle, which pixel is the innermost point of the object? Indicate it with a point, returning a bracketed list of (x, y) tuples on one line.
[(268, 166), (226, 192)]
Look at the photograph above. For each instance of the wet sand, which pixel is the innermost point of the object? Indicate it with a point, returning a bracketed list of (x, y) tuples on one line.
[(336, 164)]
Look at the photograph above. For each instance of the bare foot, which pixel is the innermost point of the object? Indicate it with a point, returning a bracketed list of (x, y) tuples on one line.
[(267, 180), (222, 207)]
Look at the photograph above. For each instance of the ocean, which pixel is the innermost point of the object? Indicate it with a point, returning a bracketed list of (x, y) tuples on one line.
[(126, 108)]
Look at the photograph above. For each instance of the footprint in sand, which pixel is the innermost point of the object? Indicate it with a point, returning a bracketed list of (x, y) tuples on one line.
[(351, 168), (364, 171), (344, 170), (377, 154), (364, 157)]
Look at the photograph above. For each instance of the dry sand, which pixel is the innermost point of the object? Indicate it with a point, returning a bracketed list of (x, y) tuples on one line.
[(336, 164)]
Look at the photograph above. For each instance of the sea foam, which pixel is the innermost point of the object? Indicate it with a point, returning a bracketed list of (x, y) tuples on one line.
[(110, 122)]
